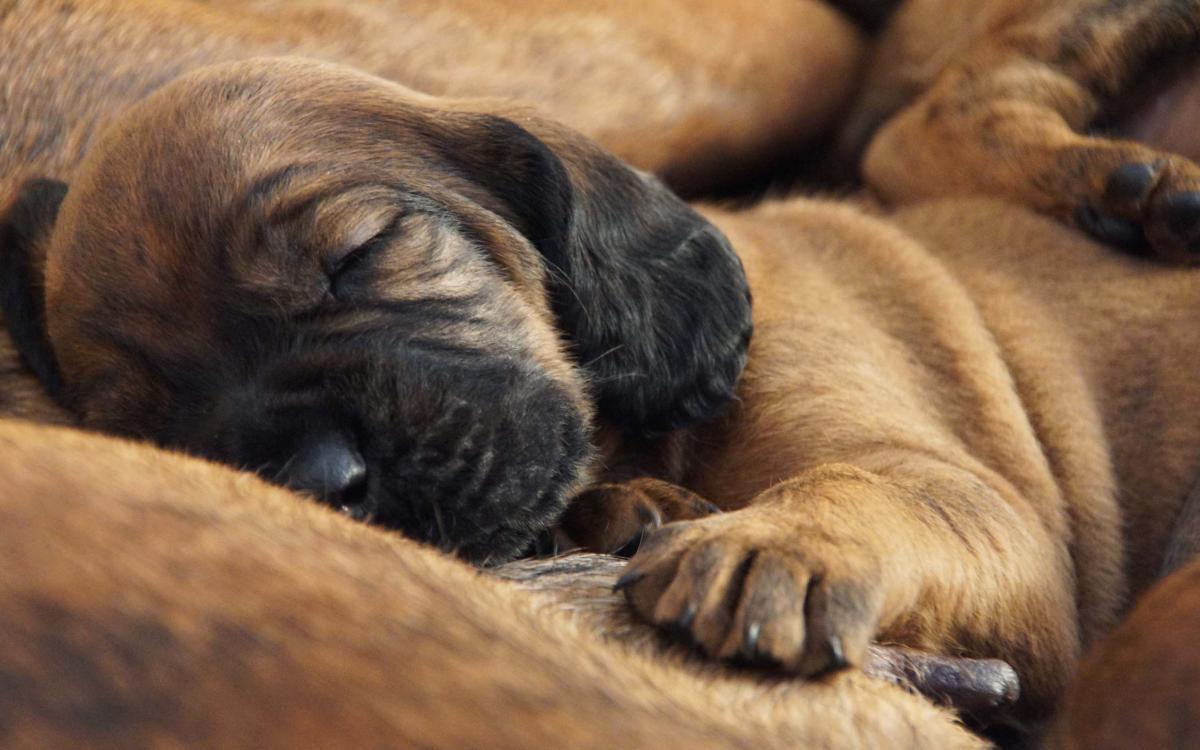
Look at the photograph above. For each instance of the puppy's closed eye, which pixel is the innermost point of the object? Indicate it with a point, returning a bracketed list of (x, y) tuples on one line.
[(341, 265)]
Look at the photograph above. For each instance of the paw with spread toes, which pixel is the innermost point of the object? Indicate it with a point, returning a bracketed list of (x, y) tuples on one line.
[(753, 586)]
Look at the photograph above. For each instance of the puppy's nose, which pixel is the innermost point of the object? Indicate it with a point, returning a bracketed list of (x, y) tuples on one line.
[(329, 466)]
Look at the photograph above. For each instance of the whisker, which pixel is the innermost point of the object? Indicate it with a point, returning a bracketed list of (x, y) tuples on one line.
[(603, 354), (565, 280), (441, 529)]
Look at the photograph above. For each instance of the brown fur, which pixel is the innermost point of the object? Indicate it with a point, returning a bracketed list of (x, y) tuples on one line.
[(1138, 687), (938, 440), (967, 458), (998, 98), (976, 391), (683, 88), (150, 599)]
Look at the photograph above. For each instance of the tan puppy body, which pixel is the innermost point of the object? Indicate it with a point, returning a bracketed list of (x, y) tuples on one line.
[(1101, 347), (968, 428), (151, 599), (683, 89)]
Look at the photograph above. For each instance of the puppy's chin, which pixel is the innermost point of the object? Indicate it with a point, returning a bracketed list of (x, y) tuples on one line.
[(506, 544)]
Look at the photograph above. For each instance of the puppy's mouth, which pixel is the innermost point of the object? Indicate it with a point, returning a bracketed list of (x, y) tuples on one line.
[(491, 547)]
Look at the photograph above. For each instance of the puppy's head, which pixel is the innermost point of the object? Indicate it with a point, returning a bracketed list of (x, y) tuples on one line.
[(409, 308)]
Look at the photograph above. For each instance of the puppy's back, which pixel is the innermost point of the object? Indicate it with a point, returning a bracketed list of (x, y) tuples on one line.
[(151, 599)]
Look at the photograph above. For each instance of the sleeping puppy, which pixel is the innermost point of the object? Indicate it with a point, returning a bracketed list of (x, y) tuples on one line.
[(684, 109), (1048, 104), (372, 299), (417, 310)]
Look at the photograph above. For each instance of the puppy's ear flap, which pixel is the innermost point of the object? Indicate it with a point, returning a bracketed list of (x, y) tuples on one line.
[(25, 228), (651, 295)]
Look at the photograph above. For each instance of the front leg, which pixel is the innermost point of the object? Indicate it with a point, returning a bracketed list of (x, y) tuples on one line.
[(618, 515), (814, 569)]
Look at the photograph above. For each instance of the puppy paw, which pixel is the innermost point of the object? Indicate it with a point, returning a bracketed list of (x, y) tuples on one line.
[(1149, 207), (614, 518), (751, 587)]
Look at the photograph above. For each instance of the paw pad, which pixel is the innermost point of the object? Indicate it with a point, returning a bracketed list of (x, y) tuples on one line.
[(1129, 185)]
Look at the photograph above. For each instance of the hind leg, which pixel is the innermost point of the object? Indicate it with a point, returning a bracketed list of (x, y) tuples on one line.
[(1009, 117)]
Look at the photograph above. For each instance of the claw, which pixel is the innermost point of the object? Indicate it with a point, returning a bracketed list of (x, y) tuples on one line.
[(837, 654), (685, 620), (710, 508), (834, 659), (750, 641)]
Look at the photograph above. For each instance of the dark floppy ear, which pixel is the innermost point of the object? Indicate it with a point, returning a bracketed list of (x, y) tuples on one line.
[(650, 294), (24, 234)]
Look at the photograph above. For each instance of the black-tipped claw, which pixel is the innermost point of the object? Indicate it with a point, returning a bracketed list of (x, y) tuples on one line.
[(837, 654), (711, 509), (687, 617), (834, 661), (630, 548), (749, 650), (628, 579)]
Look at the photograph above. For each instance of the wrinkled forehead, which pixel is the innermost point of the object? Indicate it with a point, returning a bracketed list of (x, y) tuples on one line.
[(182, 166), (226, 130)]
